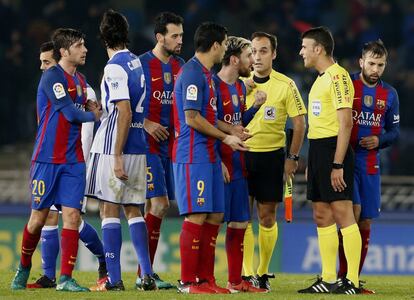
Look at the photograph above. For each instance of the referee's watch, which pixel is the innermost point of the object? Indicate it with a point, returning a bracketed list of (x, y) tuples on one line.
[(337, 166), (293, 157)]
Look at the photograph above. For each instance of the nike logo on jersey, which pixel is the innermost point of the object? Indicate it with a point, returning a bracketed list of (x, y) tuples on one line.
[(226, 102), (155, 79), (71, 90)]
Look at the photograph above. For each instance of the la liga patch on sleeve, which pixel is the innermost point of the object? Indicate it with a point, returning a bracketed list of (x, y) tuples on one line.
[(59, 90), (192, 92)]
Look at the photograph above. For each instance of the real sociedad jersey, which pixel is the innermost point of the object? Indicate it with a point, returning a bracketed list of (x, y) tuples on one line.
[(123, 79), (375, 111), (58, 141), (160, 78), (230, 108), (194, 90)]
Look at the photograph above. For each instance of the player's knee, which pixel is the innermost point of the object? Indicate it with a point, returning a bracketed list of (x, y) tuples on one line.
[(267, 221), (322, 219), (71, 219), (365, 224), (35, 225), (160, 208)]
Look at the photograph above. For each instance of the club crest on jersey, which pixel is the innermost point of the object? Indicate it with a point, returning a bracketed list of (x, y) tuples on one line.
[(368, 100), (79, 90), (58, 90), (380, 104), (200, 201), (167, 77), (235, 100), (192, 92)]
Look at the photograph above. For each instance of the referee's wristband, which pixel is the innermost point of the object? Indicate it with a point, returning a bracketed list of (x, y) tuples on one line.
[(337, 166)]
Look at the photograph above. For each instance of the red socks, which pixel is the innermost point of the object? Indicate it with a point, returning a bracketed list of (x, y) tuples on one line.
[(234, 249), (153, 226), (69, 245), (207, 256), (189, 250), (29, 244)]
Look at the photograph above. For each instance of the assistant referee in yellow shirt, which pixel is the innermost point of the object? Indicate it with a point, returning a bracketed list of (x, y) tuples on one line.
[(331, 162), (265, 160)]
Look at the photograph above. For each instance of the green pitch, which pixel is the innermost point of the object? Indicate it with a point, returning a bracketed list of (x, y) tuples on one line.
[(284, 287)]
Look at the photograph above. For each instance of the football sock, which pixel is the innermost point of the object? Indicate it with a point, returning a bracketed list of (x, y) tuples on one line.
[(352, 249), (248, 251), (50, 250), (205, 269), (29, 244), (89, 236), (189, 250), (69, 245), (267, 242), (153, 226), (139, 238), (365, 234), (112, 241), (328, 247), (234, 250)]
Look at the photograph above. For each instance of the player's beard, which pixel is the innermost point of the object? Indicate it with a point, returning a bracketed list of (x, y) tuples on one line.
[(245, 72), (368, 79)]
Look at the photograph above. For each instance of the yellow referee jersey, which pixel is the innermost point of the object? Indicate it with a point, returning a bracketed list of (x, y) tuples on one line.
[(331, 91), (268, 124)]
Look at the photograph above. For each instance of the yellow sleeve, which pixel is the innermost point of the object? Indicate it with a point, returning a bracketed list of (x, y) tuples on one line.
[(342, 91), (294, 102)]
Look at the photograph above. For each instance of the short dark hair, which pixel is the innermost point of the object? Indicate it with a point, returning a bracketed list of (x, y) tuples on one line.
[(272, 38), (64, 38), (235, 46), (114, 29), (165, 18), (46, 46), (207, 34), (376, 47), (323, 36)]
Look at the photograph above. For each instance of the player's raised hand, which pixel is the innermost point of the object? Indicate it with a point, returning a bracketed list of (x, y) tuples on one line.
[(250, 85), (369, 142), (226, 174), (259, 98), (241, 132), (235, 143), (119, 168), (156, 130)]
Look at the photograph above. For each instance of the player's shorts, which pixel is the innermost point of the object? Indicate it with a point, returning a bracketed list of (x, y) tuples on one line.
[(237, 201), (265, 175), (199, 187), (57, 184), (83, 209), (160, 177), (102, 183), (320, 160), (367, 192)]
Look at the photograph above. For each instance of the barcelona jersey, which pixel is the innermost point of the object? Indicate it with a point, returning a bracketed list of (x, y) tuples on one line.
[(375, 111), (58, 141), (194, 90), (160, 78)]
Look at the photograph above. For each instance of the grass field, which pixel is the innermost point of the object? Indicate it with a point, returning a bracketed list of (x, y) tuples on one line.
[(284, 287)]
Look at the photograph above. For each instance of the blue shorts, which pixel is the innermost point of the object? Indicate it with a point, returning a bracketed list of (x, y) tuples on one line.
[(199, 187), (57, 184), (367, 193), (160, 179), (237, 201)]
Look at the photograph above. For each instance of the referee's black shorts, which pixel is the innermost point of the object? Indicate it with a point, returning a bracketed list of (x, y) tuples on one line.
[(320, 160), (265, 175)]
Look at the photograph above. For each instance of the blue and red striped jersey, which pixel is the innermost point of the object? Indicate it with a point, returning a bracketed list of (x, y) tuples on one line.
[(58, 141), (194, 90), (160, 78), (375, 111), (230, 108)]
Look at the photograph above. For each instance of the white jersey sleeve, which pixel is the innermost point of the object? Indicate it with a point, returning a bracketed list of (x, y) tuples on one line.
[(116, 80)]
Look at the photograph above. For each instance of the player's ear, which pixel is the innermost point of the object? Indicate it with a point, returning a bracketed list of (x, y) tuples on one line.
[(63, 52), (234, 60), (274, 54), (159, 37), (361, 62)]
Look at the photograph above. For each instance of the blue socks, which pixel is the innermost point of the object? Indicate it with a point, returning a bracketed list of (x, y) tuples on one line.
[(89, 236), (112, 240), (50, 250), (139, 238)]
